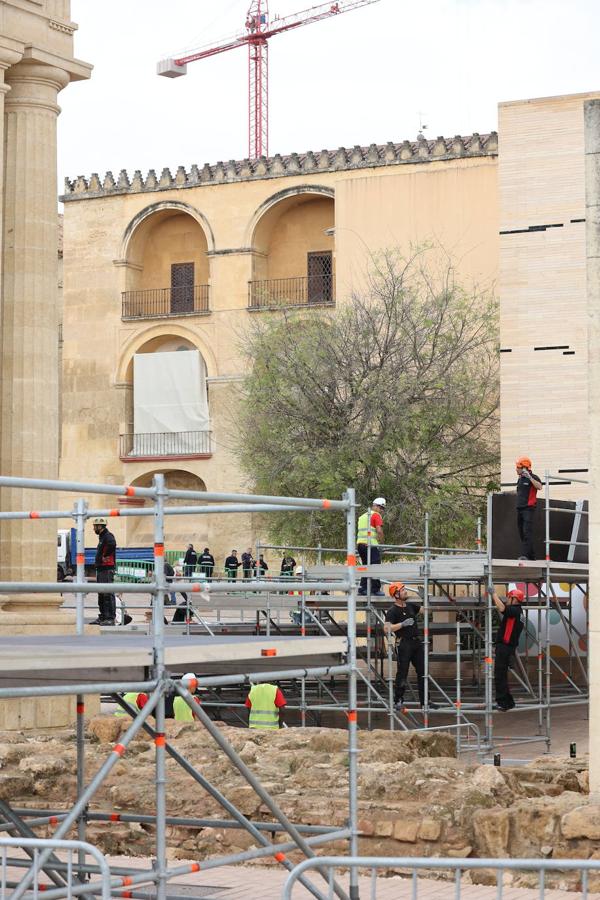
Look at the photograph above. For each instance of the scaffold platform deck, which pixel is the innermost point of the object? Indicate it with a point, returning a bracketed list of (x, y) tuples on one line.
[(126, 656), (462, 569)]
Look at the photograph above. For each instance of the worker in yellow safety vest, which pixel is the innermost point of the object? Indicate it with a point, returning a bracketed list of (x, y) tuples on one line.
[(265, 701), (181, 711), (138, 701), (368, 537)]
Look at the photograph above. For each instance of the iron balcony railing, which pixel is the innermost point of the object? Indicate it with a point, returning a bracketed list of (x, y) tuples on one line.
[(189, 300), (165, 444), (278, 293)]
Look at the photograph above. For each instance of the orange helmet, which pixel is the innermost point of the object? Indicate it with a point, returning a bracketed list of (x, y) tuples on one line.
[(517, 593), (395, 586), (524, 461)]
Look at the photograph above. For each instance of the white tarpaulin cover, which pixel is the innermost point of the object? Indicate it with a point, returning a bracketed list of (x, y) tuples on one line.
[(169, 398)]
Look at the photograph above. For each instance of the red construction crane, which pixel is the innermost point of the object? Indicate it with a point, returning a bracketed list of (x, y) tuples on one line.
[(259, 29)]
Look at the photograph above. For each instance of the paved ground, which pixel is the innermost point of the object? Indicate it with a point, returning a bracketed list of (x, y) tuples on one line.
[(259, 883)]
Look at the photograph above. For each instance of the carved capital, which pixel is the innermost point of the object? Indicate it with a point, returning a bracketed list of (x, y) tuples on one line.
[(35, 84)]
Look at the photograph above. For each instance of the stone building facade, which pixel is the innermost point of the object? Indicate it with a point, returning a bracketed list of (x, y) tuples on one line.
[(36, 63), (544, 323), (168, 262), (298, 231)]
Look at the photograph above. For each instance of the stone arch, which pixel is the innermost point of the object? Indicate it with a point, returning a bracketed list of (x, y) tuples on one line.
[(179, 530), (156, 332), (163, 206), (286, 197), (290, 240)]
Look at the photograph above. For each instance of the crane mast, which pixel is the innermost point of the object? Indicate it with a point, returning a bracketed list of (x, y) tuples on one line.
[(256, 36)]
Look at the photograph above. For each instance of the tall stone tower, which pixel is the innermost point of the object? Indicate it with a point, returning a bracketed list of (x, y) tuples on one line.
[(36, 63)]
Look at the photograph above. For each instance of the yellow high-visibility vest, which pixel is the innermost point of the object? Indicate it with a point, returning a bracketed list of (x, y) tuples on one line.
[(362, 534), (181, 710), (264, 712)]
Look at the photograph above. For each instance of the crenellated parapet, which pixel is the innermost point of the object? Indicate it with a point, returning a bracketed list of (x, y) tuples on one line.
[(278, 166)]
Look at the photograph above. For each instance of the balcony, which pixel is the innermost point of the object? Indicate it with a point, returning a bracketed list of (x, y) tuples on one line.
[(165, 445), (282, 293), (188, 300)]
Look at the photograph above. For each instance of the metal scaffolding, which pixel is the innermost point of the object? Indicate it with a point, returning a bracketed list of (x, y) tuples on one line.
[(296, 837), (356, 688)]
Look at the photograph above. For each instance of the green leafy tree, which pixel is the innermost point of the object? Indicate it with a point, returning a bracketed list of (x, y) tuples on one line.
[(394, 393)]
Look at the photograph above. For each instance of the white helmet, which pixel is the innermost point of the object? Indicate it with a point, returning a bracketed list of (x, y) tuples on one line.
[(187, 679), (299, 570), (379, 501)]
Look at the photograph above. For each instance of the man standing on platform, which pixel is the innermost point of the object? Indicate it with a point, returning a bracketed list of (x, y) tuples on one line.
[(105, 562), (507, 640), (401, 621), (368, 537), (528, 485)]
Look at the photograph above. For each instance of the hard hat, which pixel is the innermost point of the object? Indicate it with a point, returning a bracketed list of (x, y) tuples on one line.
[(299, 570), (379, 501), (524, 461), (517, 593), (395, 586), (187, 678), (100, 521)]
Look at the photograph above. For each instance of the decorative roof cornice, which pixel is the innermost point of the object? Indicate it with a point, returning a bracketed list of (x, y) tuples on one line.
[(278, 166)]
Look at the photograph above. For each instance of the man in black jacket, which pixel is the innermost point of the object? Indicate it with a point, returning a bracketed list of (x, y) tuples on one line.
[(528, 485), (189, 561), (247, 564), (232, 564), (105, 562), (507, 641), (401, 621), (206, 561)]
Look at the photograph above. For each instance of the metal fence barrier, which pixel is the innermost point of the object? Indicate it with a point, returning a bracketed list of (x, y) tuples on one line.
[(62, 875), (454, 869)]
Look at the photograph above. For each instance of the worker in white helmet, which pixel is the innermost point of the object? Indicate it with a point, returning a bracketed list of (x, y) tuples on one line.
[(105, 562), (368, 538), (181, 711)]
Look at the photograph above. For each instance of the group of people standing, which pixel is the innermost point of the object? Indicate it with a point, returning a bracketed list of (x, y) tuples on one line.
[(246, 564)]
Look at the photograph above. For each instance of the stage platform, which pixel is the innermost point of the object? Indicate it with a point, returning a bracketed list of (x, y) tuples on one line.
[(462, 569), (124, 656)]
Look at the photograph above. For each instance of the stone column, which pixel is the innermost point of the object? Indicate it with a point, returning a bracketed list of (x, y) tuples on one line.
[(29, 437), (592, 218)]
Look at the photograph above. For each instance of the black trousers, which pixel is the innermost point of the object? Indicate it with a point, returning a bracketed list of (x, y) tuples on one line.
[(180, 613), (505, 655), (363, 552), (107, 603), (525, 526), (409, 650), (231, 574)]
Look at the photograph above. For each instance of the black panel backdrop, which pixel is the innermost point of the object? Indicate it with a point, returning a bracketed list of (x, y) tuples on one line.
[(505, 537)]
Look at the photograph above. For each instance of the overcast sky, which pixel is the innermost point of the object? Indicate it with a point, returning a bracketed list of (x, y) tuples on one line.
[(359, 78)]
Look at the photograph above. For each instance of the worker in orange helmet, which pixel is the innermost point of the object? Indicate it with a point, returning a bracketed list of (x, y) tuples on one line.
[(507, 640), (528, 485), (401, 621)]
